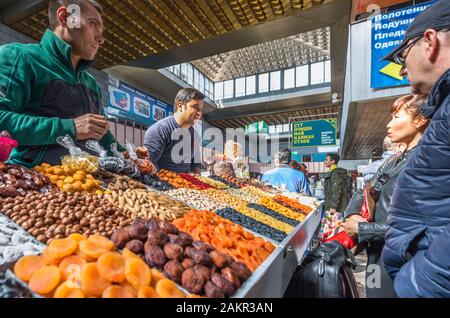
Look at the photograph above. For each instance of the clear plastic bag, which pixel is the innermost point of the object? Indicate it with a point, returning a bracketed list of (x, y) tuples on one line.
[(110, 164), (78, 159), (144, 165)]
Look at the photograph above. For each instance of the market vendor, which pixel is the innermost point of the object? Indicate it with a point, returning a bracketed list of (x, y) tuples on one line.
[(46, 91), (166, 148)]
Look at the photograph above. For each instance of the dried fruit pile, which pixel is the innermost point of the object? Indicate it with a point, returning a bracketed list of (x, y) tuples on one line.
[(214, 183), (175, 180), (17, 180), (199, 184), (293, 204), (226, 237), (197, 266), (273, 205), (79, 267)]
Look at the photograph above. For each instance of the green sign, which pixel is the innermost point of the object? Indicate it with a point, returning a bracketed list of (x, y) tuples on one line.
[(259, 127), (314, 133)]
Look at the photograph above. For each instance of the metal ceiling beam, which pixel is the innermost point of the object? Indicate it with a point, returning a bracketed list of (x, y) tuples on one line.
[(20, 9), (303, 21)]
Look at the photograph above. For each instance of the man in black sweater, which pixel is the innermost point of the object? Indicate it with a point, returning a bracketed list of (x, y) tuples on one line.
[(172, 142)]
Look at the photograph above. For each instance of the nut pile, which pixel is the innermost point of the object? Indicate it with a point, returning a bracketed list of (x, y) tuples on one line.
[(148, 204), (254, 191), (15, 242), (251, 224), (59, 215), (195, 199), (81, 267), (123, 183), (223, 197), (70, 180), (271, 204), (239, 193), (214, 183), (17, 180), (197, 266), (225, 236)]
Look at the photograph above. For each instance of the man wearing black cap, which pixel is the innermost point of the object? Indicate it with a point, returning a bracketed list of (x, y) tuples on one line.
[(417, 249)]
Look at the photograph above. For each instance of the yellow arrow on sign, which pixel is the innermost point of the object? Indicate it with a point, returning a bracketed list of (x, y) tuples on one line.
[(392, 70)]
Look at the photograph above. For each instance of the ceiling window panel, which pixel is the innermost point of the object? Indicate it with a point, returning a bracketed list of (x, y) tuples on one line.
[(218, 91), (302, 76), (240, 87), (228, 89), (317, 73), (190, 74), (289, 78), (275, 81), (263, 82), (328, 71), (250, 85)]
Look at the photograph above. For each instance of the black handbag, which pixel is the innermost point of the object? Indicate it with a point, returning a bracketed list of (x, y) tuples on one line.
[(325, 273)]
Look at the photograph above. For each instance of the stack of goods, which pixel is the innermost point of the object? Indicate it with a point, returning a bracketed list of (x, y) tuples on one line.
[(85, 163), (270, 203), (17, 180), (15, 242), (251, 224), (69, 180), (197, 266), (275, 215), (200, 185), (226, 237), (225, 181), (196, 199), (147, 204), (58, 215), (123, 183), (257, 192), (156, 183), (241, 207), (330, 225), (293, 204), (79, 267), (175, 180), (214, 183), (244, 195)]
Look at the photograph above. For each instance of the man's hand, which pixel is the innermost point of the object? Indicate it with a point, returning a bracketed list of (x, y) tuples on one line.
[(5, 134), (90, 126), (350, 226)]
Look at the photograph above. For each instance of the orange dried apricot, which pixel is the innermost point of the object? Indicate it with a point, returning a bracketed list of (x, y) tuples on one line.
[(156, 277), (64, 291), (92, 284), (111, 266), (147, 292), (27, 266), (77, 237), (45, 280), (67, 265), (115, 291), (60, 248), (166, 288), (137, 273), (92, 248)]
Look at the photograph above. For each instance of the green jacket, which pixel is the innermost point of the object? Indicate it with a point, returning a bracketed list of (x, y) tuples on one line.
[(336, 193), (40, 94)]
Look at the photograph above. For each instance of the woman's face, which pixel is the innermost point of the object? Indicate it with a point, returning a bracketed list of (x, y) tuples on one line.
[(401, 129)]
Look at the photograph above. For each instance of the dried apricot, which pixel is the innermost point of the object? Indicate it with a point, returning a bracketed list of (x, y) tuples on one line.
[(77, 237), (147, 292), (64, 291), (137, 273), (27, 266), (92, 284), (115, 291), (156, 277), (166, 288), (60, 248), (45, 280), (111, 266)]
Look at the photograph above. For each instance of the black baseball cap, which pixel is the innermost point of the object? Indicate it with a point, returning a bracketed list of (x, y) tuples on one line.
[(435, 17)]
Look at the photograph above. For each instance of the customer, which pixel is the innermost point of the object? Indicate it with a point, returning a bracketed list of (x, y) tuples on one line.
[(389, 149), (293, 165), (284, 176), (303, 168), (162, 143), (46, 91), (335, 185), (417, 249), (407, 126)]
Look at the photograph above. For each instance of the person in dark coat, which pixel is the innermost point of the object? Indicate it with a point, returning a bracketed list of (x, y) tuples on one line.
[(417, 246), (406, 127), (335, 185)]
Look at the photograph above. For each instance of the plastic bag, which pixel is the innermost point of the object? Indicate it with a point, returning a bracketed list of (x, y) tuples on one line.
[(116, 153), (145, 165), (111, 164), (78, 159)]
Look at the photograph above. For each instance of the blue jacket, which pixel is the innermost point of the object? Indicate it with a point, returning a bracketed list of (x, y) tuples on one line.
[(293, 180), (417, 249)]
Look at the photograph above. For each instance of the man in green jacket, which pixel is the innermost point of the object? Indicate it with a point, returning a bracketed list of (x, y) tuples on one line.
[(336, 194), (45, 89)]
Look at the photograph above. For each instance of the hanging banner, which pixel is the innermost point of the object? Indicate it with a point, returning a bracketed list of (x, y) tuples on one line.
[(388, 31), (314, 133), (132, 104)]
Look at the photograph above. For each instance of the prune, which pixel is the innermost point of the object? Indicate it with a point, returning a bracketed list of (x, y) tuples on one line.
[(135, 246), (138, 231), (157, 237), (200, 257), (193, 281), (224, 285), (152, 224), (173, 251), (230, 276), (205, 271), (174, 270), (241, 270), (187, 263), (168, 227), (212, 291), (154, 255), (199, 245), (221, 260)]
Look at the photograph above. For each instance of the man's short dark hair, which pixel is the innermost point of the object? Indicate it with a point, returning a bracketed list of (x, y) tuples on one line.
[(283, 155), (54, 5), (334, 157), (186, 95), (304, 166)]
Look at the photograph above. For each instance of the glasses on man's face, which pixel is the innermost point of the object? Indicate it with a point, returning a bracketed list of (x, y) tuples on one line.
[(400, 57)]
